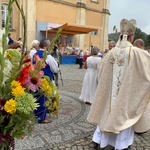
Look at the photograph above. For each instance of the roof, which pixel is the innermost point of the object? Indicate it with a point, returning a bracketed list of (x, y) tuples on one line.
[(72, 29)]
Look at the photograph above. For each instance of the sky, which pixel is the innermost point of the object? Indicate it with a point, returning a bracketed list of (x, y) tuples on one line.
[(130, 9)]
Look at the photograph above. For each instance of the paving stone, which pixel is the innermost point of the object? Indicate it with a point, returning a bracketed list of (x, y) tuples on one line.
[(80, 148), (55, 148), (62, 147), (68, 145), (74, 148), (86, 148)]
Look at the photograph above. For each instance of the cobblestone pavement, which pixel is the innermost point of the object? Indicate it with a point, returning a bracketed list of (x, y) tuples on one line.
[(70, 131)]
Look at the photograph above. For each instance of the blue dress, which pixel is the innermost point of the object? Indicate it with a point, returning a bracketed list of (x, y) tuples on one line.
[(42, 110)]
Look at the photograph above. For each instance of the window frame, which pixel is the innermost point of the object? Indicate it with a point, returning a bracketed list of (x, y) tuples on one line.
[(95, 1), (4, 13), (94, 33)]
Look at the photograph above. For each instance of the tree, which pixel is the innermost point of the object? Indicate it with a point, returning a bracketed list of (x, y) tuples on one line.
[(140, 35), (147, 43)]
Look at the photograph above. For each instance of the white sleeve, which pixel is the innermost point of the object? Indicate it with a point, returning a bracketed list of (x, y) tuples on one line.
[(82, 54), (52, 64), (31, 54)]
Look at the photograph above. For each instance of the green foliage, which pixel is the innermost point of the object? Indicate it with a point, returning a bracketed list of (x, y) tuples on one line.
[(138, 35), (4, 41), (17, 103), (23, 120), (10, 71), (26, 103), (113, 36), (53, 41), (18, 126), (147, 43)]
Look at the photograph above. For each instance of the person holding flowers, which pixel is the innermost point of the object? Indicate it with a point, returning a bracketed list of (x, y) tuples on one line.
[(16, 102), (50, 68)]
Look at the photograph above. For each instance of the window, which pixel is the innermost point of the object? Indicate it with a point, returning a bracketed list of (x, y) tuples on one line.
[(95, 32), (96, 1), (4, 12)]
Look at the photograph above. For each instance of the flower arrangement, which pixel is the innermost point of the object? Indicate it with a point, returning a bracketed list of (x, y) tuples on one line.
[(16, 102), (20, 81)]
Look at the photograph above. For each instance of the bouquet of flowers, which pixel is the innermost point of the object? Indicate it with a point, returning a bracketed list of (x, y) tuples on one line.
[(19, 79), (16, 103)]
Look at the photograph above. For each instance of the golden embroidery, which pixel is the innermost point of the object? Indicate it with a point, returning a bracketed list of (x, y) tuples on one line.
[(122, 31), (111, 86), (129, 31), (118, 58), (121, 62), (123, 22), (118, 82), (112, 60)]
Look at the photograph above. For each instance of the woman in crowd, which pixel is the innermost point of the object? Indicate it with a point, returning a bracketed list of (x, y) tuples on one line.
[(35, 47), (90, 79), (49, 70)]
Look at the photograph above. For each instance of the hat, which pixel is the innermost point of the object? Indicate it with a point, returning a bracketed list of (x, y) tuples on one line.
[(127, 26), (35, 42)]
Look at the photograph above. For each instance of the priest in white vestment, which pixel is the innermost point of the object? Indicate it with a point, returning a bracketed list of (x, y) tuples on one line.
[(121, 104)]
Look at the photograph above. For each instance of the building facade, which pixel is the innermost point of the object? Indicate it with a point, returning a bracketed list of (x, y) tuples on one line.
[(44, 15)]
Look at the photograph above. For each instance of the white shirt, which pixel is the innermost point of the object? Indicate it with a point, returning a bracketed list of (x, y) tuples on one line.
[(52, 63), (32, 52), (81, 54)]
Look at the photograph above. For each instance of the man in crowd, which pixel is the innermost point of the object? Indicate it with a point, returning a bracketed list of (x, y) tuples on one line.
[(56, 54), (49, 70), (10, 40), (80, 59), (139, 43), (121, 104), (111, 45)]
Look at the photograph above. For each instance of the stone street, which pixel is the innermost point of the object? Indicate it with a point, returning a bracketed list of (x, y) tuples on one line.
[(70, 131)]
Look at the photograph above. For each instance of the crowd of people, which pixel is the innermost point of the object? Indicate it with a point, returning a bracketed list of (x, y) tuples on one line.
[(116, 85)]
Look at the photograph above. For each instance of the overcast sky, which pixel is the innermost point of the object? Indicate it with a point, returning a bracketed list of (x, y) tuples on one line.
[(130, 9)]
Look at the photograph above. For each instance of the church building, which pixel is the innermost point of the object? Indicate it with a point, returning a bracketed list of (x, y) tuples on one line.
[(83, 22)]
